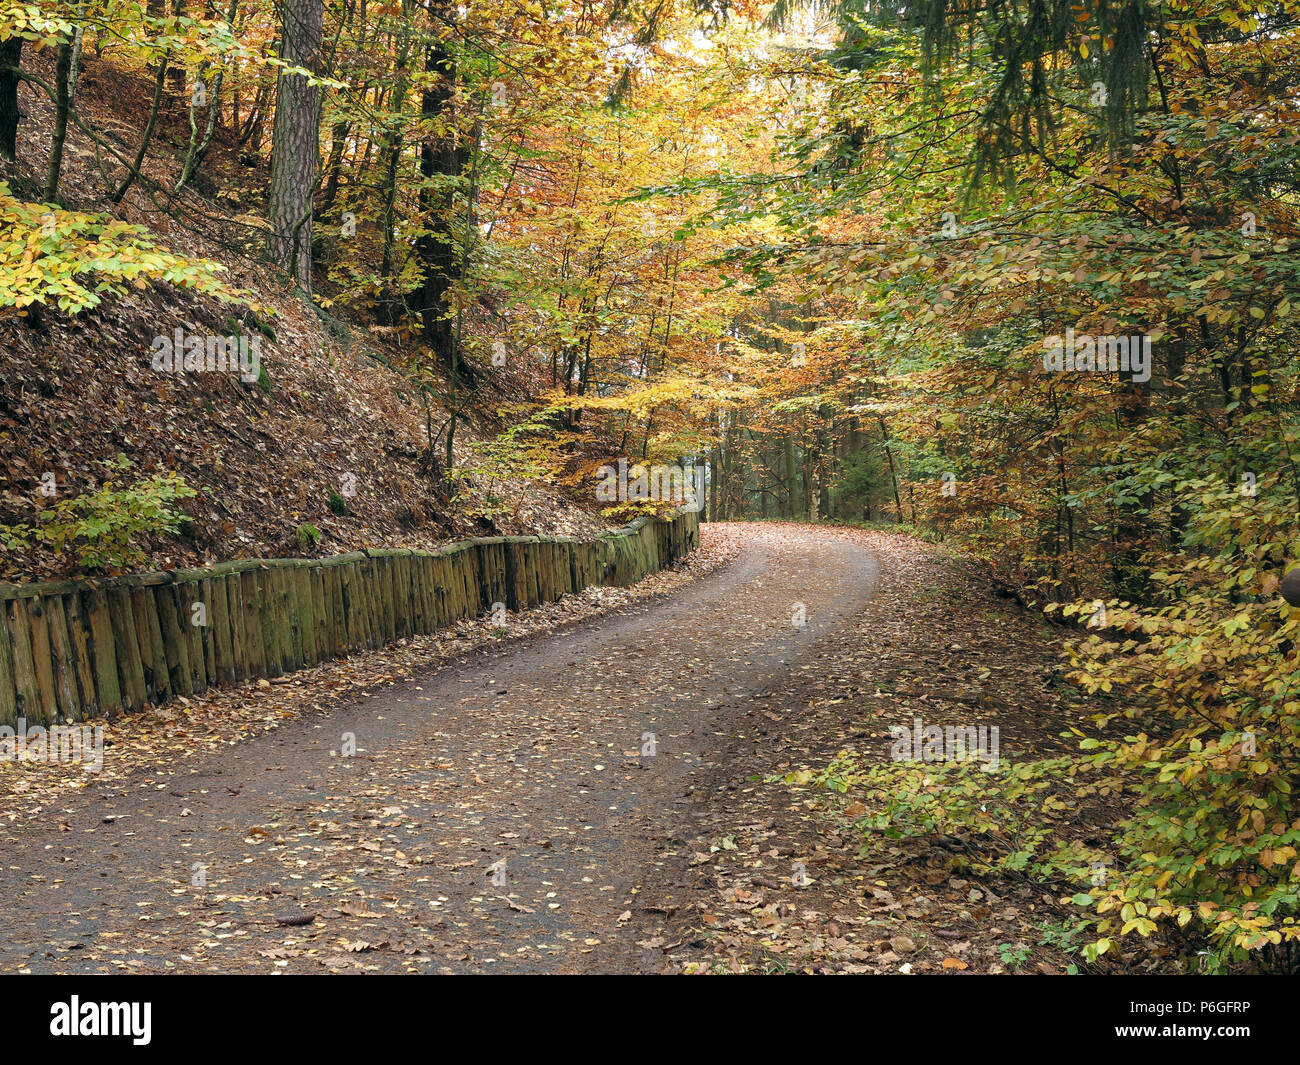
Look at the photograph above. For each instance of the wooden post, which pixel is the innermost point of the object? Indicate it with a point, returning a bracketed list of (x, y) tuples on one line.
[(254, 644), (78, 631), (8, 698), (305, 609), (67, 688), (42, 660), (103, 651), (337, 611), (238, 637), (28, 698), (221, 640), (130, 669)]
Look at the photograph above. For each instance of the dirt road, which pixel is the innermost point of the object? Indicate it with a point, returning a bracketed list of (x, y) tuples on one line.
[(516, 810)]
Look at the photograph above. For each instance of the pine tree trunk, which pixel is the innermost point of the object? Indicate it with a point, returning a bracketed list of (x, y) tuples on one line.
[(294, 141)]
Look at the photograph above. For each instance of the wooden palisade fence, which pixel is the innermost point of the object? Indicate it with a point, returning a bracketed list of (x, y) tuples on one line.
[(71, 650)]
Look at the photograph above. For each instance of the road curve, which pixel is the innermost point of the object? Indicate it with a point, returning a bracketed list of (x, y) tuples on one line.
[(574, 758)]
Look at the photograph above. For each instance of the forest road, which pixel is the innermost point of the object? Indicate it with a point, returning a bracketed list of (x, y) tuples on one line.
[(527, 808)]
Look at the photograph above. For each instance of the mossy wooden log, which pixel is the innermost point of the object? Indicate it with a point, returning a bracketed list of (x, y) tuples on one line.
[(564, 563), (575, 572), (542, 565), (525, 585), (67, 687), (287, 577), (417, 607), (354, 629), (207, 632), (79, 632), (449, 587), (189, 597), (394, 590), (513, 568), (455, 588), (384, 595), (308, 633), (130, 668), (421, 621), (447, 594), (268, 622), (437, 576), (294, 619), (469, 574), (277, 618), (467, 582), (238, 637), (460, 585), (561, 585), (176, 641), (498, 571), (556, 583), (312, 636), (264, 608), (388, 597), (476, 566), (27, 697), (103, 651), (148, 634), (70, 649), (406, 587), (337, 613), (373, 608), (43, 660), (363, 604), (194, 617), (313, 601), (402, 595), (254, 644), (432, 598), (275, 622), (331, 612), (305, 612), (223, 648), (284, 617), (308, 610), (533, 551), (8, 697)]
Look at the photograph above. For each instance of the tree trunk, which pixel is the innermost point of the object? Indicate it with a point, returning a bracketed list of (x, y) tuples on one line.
[(792, 506), (11, 52), (334, 168), (199, 145), (442, 159), (893, 473), (74, 70), (159, 81), (177, 73), (62, 105), (294, 140), (715, 475), (392, 160)]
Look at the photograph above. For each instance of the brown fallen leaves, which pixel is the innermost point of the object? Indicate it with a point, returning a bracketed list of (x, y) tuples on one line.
[(936, 643)]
